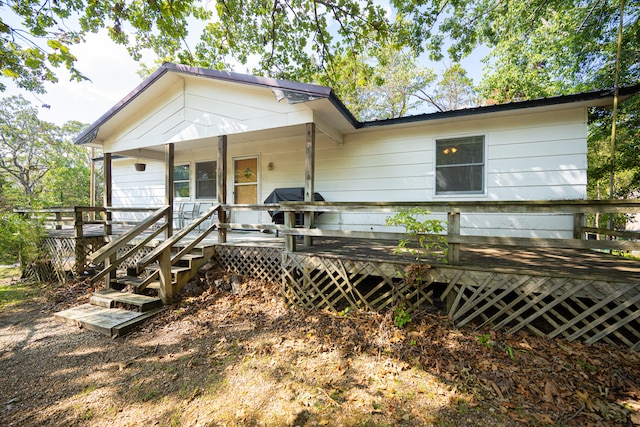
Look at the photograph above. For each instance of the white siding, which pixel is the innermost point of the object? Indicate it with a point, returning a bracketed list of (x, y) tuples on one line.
[(137, 189), (539, 156)]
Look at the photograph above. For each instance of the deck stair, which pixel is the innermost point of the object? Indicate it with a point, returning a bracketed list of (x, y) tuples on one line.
[(184, 270), (122, 306)]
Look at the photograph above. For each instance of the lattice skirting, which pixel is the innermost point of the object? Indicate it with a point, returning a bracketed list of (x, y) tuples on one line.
[(68, 254), (260, 263), (568, 307), (573, 308), (335, 283)]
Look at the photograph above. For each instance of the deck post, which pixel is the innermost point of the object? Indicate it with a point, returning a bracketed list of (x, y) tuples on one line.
[(79, 250), (169, 158), (166, 286), (108, 201), (290, 223), (221, 172), (453, 230), (309, 177)]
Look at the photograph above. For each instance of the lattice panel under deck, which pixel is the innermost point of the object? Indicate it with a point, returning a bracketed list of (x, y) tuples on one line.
[(132, 261), (590, 310), (258, 263), (62, 252), (336, 283)]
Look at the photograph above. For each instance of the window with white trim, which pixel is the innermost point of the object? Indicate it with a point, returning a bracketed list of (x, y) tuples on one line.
[(460, 165), (181, 186), (206, 180)]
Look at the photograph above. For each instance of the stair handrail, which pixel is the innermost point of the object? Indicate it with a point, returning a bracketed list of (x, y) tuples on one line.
[(110, 249), (171, 241)]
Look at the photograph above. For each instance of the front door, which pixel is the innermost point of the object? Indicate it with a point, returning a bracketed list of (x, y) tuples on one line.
[(245, 188)]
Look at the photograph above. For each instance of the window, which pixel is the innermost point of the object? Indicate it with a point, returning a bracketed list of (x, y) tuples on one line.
[(181, 181), (460, 165), (206, 180)]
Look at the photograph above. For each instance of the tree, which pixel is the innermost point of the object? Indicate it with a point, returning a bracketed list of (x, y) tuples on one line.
[(453, 91), (379, 83), (292, 39), (551, 48), (30, 148)]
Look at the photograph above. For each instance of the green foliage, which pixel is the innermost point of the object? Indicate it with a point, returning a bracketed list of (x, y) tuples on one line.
[(627, 151), (485, 340), (37, 37), (345, 312), (38, 159), (379, 82), (454, 90), (426, 233), (400, 316), (19, 238)]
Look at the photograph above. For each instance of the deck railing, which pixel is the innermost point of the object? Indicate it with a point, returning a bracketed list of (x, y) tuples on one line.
[(78, 217), (605, 239)]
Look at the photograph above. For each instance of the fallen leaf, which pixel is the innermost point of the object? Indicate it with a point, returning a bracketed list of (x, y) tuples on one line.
[(549, 392)]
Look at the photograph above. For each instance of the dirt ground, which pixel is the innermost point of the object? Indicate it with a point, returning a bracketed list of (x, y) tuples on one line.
[(217, 358)]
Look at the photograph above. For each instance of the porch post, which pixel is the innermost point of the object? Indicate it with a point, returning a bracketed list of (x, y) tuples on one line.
[(309, 177), (169, 158), (221, 179), (108, 200), (92, 183)]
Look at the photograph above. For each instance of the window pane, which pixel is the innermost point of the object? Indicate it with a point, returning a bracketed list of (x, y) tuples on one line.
[(466, 179), (460, 165), (181, 189), (246, 171), (181, 181), (181, 173), (206, 180), (458, 151)]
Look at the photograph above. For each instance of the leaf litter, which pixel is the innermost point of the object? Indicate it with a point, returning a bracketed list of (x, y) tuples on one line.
[(246, 358)]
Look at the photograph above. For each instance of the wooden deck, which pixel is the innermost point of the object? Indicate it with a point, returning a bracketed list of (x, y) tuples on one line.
[(552, 287), (553, 261)]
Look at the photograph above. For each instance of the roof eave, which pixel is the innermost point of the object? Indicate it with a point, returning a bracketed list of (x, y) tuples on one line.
[(592, 97)]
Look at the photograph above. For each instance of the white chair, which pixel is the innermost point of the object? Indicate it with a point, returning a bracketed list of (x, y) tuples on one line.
[(187, 213), (202, 209)]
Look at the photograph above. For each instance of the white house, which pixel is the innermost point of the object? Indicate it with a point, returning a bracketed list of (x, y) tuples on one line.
[(531, 150)]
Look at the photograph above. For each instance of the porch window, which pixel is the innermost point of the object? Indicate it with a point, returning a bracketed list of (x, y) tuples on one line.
[(181, 181), (460, 165), (206, 180)]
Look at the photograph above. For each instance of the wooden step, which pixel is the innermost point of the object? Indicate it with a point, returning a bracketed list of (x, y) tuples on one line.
[(191, 257), (143, 302), (113, 322)]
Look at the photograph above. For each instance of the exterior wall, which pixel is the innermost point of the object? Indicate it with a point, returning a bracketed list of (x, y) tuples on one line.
[(530, 156), (539, 156)]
